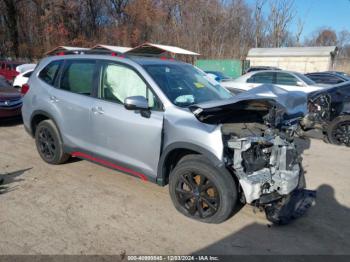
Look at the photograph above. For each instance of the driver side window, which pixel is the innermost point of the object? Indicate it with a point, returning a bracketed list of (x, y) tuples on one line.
[(119, 82)]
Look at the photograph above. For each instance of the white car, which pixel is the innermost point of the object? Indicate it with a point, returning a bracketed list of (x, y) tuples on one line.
[(25, 67), (22, 78), (290, 81)]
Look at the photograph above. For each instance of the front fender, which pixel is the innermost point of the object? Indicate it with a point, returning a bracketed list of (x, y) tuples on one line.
[(162, 172)]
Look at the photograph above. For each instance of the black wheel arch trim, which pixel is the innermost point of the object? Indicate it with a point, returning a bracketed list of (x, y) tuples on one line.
[(40, 112), (161, 170)]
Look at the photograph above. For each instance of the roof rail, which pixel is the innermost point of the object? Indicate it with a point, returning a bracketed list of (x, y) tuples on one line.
[(111, 53)]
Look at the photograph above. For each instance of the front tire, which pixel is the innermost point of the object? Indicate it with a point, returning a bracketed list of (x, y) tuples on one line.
[(338, 131), (49, 143), (202, 192)]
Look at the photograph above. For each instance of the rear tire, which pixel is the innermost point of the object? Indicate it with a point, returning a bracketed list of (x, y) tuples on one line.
[(338, 131), (49, 143), (202, 192)]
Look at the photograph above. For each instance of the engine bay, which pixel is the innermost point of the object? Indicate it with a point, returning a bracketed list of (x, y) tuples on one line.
[(263, 161), (268, 167)]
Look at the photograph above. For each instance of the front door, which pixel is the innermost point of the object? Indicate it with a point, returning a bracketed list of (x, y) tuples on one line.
[(127, 137)]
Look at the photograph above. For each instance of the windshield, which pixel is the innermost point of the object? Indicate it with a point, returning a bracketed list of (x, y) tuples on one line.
[(344, 75), (184, 85), (307, 80)]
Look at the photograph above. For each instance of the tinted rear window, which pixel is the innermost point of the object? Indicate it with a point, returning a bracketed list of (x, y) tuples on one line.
[(49, 73), (77, 76), (261, 78)]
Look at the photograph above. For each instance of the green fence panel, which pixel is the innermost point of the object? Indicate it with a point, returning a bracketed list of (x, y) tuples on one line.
[(231, 68)]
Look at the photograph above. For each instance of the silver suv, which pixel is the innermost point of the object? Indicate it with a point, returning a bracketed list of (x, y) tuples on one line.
[(164, 121)]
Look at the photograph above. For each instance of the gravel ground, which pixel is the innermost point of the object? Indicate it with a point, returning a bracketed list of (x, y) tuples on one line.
[(82, 208)]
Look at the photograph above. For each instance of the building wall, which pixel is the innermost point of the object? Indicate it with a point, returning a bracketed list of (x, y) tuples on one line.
[(299, 64)]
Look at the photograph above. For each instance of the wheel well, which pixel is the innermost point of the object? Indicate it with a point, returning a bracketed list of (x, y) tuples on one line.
[(36, 120), (173, 158)]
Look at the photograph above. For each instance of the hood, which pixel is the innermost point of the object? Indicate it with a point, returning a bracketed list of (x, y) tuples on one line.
[(9, 93), (255, 105)]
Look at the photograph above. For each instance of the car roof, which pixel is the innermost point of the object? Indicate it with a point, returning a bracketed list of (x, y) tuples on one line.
[(136, 59), (272, 71), (334, 73)]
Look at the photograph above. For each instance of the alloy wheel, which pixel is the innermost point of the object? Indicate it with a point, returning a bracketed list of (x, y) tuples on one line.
[(341, 133), (197, 195), (47, 144)]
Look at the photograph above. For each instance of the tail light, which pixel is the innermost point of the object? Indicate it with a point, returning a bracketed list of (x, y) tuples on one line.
[(24, 89)]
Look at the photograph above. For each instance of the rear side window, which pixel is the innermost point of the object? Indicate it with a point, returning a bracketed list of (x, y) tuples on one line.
[(77, 76), (286, 79), (261, 78), (49, 73)]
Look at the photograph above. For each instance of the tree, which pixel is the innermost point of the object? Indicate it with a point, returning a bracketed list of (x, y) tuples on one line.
[(259, 22), (281, 15), (326, 37), (10, 10)]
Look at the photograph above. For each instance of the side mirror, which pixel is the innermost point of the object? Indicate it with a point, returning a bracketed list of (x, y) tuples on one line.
[(136, 103), (299, 83)]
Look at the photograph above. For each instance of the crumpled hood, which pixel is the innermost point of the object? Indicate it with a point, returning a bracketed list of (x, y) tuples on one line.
[(253, 106)]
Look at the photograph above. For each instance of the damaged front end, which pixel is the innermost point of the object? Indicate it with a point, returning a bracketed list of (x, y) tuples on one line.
[(268, 168), (258, 138)]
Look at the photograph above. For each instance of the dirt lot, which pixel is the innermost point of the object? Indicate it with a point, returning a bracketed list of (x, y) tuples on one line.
[(82, 208)]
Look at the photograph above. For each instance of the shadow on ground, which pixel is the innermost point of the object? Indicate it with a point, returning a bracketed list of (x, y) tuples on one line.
[(11, 121), (9, 178), (324, 230), (302, 144)]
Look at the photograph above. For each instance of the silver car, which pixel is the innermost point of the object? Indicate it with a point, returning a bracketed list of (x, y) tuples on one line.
[(164, 121), (287, 80)]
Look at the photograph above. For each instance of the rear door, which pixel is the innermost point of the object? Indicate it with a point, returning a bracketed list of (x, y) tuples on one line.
[(128, 137), (288, 82), (73, 99), (260, 79)]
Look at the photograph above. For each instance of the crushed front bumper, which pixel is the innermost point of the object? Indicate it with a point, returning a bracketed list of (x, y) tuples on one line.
[(283, 210)]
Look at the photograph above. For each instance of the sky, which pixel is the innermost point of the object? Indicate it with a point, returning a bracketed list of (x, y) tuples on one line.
[(321, 13)]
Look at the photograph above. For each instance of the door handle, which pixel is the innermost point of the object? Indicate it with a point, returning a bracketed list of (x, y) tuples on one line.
[(53, 99), (97, 110)]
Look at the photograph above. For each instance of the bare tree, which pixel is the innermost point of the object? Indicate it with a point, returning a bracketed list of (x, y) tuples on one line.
[(259, 21), (299, 31), (281, 15)]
